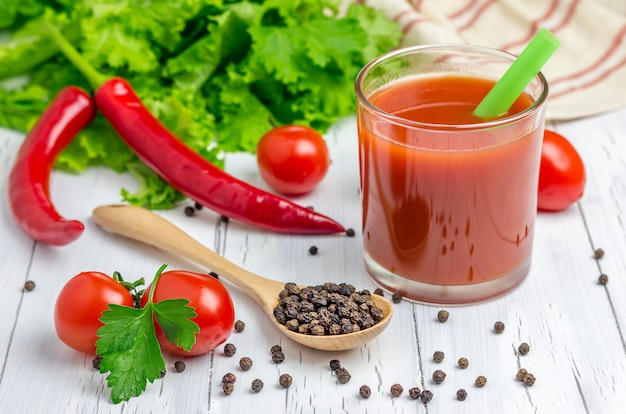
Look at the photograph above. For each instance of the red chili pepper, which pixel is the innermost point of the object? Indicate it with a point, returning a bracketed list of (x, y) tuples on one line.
[(194, 176), (29, 198), (186, 170)]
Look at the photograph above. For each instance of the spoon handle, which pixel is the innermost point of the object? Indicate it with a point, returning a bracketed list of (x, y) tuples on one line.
[(145, 226)]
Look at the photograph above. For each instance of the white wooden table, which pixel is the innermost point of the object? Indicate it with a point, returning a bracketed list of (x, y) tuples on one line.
[(575, 327)]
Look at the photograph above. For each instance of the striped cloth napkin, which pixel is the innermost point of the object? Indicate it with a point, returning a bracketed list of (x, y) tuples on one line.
[(587, 74)]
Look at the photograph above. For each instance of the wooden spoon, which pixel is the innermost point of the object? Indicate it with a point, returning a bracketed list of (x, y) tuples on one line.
[(142, 225)]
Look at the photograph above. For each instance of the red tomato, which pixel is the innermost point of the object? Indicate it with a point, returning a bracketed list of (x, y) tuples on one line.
[(561, 174), (292, 159), (81, 303), (211, 300)]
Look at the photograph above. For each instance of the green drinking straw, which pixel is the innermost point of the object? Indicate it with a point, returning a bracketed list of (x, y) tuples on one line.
[(518, 76)]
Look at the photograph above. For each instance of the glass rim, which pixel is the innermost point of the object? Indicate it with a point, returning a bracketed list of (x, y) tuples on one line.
[(487, 51)]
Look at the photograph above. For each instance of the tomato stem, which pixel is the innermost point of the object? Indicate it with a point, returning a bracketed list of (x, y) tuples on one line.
[(154, 282)]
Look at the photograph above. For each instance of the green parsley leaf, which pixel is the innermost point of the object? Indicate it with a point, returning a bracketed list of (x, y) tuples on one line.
[(128, 345)]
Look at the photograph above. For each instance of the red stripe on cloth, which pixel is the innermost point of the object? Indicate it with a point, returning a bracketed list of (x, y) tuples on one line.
[(534, 27), (417, 4), (619, 38), (401, 14), (409, 25), (476, 16), (603, 75), (462, 10)]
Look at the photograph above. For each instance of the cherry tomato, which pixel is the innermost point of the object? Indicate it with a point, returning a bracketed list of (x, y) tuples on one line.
[(211, 300), (292, 159), (561, 174), (81, 303)]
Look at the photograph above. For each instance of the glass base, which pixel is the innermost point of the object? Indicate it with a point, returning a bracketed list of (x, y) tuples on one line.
[(446, 294)]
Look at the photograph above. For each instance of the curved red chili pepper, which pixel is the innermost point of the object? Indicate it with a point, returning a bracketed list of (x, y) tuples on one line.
[(29, 198), (196, 177)]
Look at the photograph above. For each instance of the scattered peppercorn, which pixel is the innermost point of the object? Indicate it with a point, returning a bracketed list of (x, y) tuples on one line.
[(257, 385), (396, 297), (179, 366), (598, 253), (439, 376), (229, 378), (438, 356), (414, 393), (285, 380), (342, 374), (426, 396), (379, 292), (230, 350), (396, 390), (442, 315), (96, 362), (239, 326), (29, 285), (463, 363), (228, 388), (461, 394), (480, 381), (278, 357), (162, 373), (198, 206), (313, 250), (524, 348), (365, 391), (214, 275), (276, 348), (520, 374), (528, 379), (335, 364), (224, 219), (189, 211), (350, 232), (328, 309), (245, 363), (603, 279), (498, 327)]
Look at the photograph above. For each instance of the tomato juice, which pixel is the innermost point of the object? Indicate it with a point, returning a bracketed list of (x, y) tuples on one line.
[(449, 200)]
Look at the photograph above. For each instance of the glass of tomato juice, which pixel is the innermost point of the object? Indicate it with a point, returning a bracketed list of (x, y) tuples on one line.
[(449, 200)]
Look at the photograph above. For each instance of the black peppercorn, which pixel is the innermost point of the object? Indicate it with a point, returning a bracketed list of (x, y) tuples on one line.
[(438, 376), (198, 206), (342, 374), (396, 297), (463, 363), (335, 364), (214, 275), (396, 390), (480, 381), (229, 350), (414, 393), (257, 385), (438, 356), (524, 348), (29, 285), (426, 396), (278, 357), (229, 378), (442, 315), (365, 391), (313, 250), (598, 253), (603, 279), (228, 388), (379, 292), (179, 366), (498, 327), (276, 348), (461, 395), (520, 374), (96, 362), (189, 211), (528, 379), (285, 380), (239, 326), (350, 232), (245, 363)]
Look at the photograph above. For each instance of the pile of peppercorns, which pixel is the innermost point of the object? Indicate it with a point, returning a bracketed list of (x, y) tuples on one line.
[(328, 309)]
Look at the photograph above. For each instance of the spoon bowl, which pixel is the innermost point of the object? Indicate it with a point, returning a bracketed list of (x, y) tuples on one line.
[(147, 227)]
